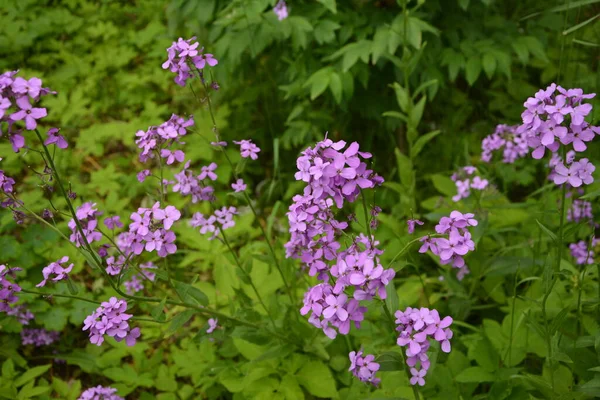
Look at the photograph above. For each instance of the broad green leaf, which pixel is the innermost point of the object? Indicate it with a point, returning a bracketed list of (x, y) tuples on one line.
[(335, 85), (30, 374), (330, 5), (316, 377), (290, 388), (380, 42), (444, 184), (190, 293), (489, 65), (401, 96), (475, 375), (179, 320), (473, 69), (390, 361), (405, 169)]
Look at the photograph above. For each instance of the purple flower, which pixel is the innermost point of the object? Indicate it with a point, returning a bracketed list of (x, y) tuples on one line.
[(28, 113), (56, 269), (32, 87), (411, 225), (281, 10), (248, 149), (110, 319), (417, 376), (55, 138), (208, 172), (38, 337), (113, 222), (239, 186), (212, 325), (364, 367), (570, 175), (100, 393)]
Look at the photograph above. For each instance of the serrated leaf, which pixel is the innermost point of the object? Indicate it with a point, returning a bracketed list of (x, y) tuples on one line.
[(158, 311), (190, 293), (179, 320), (489, 65), (316, 377), (473, 69), (335, 85)]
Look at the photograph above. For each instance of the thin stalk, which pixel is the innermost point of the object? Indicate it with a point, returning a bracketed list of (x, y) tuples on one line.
[(67, 296)]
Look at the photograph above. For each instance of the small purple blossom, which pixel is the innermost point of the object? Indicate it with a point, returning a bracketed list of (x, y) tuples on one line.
[(100, 393), (281, 10), (248, 149), (364, 367), (212, 325), (238, 186), (57, 269), (412, 223)]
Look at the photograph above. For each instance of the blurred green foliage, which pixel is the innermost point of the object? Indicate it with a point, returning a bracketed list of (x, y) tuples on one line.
[(417, 84)]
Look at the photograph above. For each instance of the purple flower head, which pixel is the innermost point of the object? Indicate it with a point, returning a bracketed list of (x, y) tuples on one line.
[(55, 138), (110, 319), (281, 10), (364, 367), (183, 55), (248, 149), (239, 186), (100, 393), (38, 337), (212, 325), (56, 271), (28, 113), (411, 225)]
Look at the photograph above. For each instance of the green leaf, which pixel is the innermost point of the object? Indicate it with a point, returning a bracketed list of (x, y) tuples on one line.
[(489, 65), (391, 299), (401, 96), (72, 287), (475, 375), (405, 169), (290, 388), (380, 42), (390, 361), (318, 82), (330, 5), (473, 69), (416, 112), (592, 195), (30, 391), (31, 374), (464, 4), (521, 49), (547, 231), (395, 114), (316, 377), (158, 311), (421, 142), (179, 320), (444, 184), (335, 85), (190, 293)]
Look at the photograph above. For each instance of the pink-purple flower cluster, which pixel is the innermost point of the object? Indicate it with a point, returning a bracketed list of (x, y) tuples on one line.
[(465, 180), (556, 116), (100, 393), (281, 10), (416, 327), (453, 248), (158, 140), (110, 319), (580, 210), (19, 101), (581, 253), (8, 289), (183, 55), (6, 183), (221, 220), (150, 230), (21, 313), (196, 186), (136, 282), (38, 337), (56, 271), (87, 215), (364, 367), (506, 138), (334, 176)]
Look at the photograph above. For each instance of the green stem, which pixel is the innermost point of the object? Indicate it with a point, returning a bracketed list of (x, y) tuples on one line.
[(67, 296)]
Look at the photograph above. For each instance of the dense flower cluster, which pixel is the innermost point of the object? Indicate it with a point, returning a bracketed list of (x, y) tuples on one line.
[(364, 367), (457, 244), (21, 313), (334, 176), (465, 180), (580, 210), (556, 116), (38, 337), (416, 327), (506, 138), (19, 101), (87, 215), (57, 269), (8, 289), (581, 253), (150, 230), (136, 282), (110, 319), (221, 220), (158, 140), (187, 184), (100, 393), (183, 55), (281, 10)]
